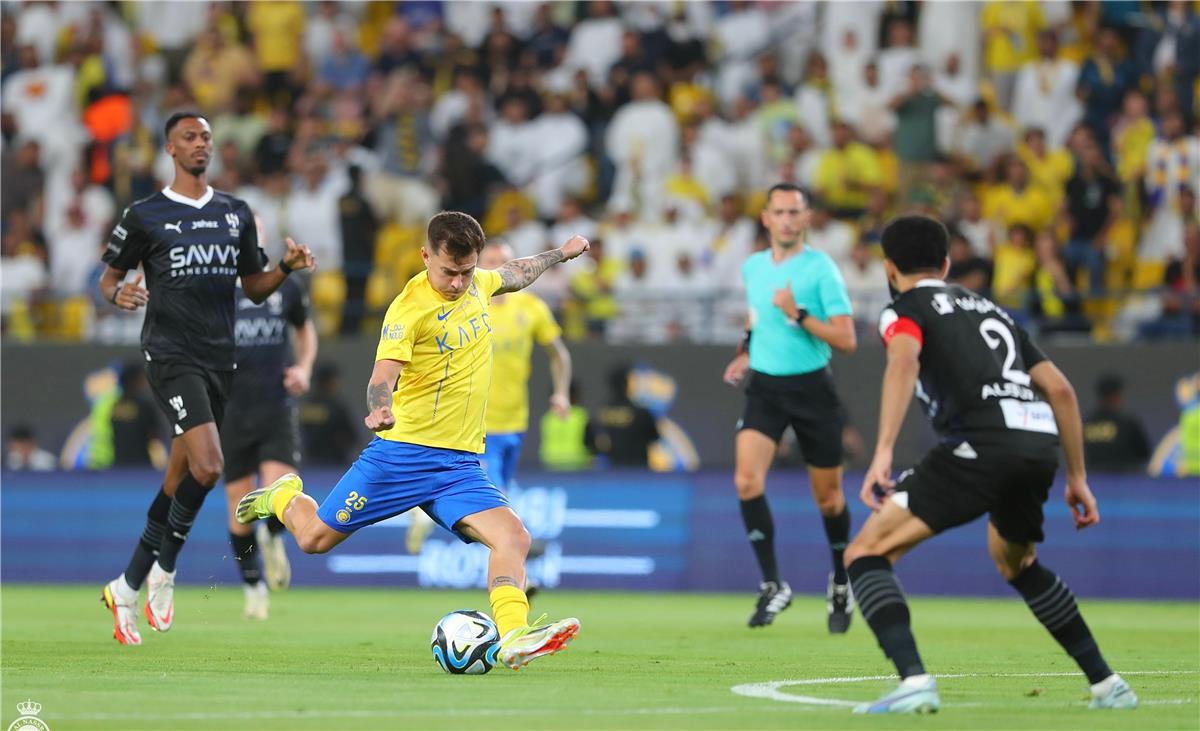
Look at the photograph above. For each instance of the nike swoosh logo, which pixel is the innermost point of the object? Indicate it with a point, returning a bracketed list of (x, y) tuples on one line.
[(444, 315)]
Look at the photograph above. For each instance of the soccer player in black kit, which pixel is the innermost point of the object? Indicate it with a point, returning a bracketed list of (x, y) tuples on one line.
[(192, 243), (1000, 409), (261, 432)]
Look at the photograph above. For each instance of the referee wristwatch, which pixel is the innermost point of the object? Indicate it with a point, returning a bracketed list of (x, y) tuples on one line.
[(801, 316)]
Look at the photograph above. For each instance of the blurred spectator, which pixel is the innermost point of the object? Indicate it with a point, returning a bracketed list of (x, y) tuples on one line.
[(870, 109), (312, 212), (624, 430), (1053, 301), (847, 173), (41, 99), (1015, 264), (967, 267), (560, 169), (22, 275), (643, 143), (527, 236), (981, 138), (915, 139), (943, 50), (359, 227), (1168, 48), (1045, 92), (1093, 208), (1016, 201), (567, 442), (547, 37), (1173, 161), (73, 253), (1132, 136), (24, 181), (138, 431), (278, 31), (1114, 440), (1180, 300), (328, 428), (595, 43), (815, 100), (866, 282), (572, 221), (897, 59), (1103, 81), (216, 68), (976, 229), (324, 26), (468, 176), (344, 68), (25, 454), (729, 241), (825, 233), (1049, 169), (1009, 31)]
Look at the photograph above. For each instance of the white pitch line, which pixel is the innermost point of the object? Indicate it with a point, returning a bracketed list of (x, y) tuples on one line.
[(770, 690)]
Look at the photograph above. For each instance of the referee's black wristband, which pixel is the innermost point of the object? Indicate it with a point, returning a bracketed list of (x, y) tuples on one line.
[(283, 267), (801, 316), (744, 346)]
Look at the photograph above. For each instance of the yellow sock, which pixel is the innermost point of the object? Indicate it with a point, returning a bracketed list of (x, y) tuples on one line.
[(510, 608), (280, 499)]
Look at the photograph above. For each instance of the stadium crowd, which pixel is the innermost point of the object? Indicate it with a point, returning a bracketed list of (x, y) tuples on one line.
[(1057, 140)]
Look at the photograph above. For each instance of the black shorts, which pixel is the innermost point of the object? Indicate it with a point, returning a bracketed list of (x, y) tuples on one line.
[(189, 395), (807, 403), (253, 436), (949, 488)]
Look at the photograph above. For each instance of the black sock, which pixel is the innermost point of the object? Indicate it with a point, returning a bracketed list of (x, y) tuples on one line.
[(760, 529), (245, 552), (147, 548), (189, 496), (883, 606), (837, 530), (1052, 602), (275, 526)]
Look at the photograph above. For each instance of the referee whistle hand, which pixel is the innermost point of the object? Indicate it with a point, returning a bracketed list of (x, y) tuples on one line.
[(380, 419), (132, 295), (784, 300)]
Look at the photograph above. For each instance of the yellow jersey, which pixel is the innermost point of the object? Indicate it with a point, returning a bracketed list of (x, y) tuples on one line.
[(517, 321), (446, 346)]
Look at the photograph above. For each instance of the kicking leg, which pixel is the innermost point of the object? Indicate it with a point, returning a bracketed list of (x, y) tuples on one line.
[(1052, 602), (502, 531), (755, 451), (827, 493), (884, 538), (285, 499)]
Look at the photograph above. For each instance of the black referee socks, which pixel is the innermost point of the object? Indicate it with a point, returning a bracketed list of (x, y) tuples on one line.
[(837, 530), (760, 530), (883, 606), (1054, 605)]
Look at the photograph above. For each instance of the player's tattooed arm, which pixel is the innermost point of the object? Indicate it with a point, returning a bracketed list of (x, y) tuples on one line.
[(504, 581), (379, 395), (520, 273)]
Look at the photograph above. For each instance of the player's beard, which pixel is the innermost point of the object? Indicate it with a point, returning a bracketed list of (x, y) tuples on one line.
[(196, 169)]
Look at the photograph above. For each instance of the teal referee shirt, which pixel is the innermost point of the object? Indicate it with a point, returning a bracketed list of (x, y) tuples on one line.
[(779, 347)]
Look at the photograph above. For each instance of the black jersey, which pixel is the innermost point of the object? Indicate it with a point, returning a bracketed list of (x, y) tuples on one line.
[(192, 252), (974, 362), (264, 348)]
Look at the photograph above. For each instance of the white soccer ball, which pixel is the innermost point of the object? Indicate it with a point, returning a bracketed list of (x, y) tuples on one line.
[(465, 642)]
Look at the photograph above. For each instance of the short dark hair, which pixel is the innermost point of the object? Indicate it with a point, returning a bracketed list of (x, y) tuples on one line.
[(176, 118), (787, 188), (1109, 384), (915, 243), (458, 232)]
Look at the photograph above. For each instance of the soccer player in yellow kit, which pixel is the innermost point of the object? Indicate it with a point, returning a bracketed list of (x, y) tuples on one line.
[(517, 320), (427, 399)]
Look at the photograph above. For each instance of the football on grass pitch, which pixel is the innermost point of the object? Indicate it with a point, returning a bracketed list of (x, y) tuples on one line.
[(465, 642)]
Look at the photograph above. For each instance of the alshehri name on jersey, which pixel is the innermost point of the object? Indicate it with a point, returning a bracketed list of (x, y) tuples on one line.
[(975, 361), (191, 251)]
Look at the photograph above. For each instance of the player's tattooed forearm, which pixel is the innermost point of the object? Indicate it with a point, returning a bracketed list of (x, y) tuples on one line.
[(520, 273), (504, 581), (378, 396)]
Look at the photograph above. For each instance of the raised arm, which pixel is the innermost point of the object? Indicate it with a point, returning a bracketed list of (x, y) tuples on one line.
[(379, 394), (520, 273)]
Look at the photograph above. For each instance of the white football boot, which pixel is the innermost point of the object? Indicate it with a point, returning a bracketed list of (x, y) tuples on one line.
[(257, 600), (160, 598), (122, 601)]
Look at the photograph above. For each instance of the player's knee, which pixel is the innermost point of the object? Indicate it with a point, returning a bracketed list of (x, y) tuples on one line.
[(1011, 566), (314, 543), (749, 485), (859, 548), (208, 471), (830, 502)]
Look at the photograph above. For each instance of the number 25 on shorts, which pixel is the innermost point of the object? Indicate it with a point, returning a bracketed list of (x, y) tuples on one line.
[(355, 501)]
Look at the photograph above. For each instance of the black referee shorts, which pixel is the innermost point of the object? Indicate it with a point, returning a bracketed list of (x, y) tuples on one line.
[(188, 394), (950, 487), (256, 435), (805, 402)]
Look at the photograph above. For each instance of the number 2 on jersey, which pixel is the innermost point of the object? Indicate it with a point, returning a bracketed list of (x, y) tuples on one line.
[(995, 333)]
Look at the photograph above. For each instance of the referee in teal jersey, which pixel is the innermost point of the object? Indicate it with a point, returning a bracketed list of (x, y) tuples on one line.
[(799, 312)]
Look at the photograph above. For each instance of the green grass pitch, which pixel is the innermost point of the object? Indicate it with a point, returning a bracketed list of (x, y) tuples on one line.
[(359, 659)]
